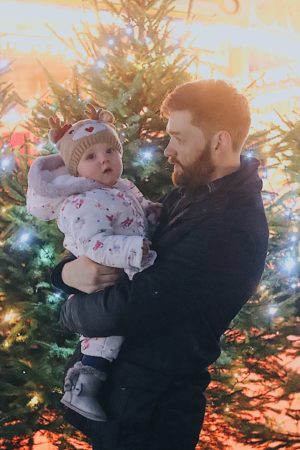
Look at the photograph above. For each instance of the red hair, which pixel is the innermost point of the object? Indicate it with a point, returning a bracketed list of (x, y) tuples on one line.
[(215, 105)]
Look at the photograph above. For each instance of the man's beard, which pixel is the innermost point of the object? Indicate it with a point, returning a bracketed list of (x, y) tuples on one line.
[(198, 173)]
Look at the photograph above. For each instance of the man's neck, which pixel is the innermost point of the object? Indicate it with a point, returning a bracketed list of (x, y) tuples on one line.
[(221, 172)]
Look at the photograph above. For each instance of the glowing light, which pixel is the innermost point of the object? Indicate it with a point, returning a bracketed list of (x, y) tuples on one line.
[(100, 64), (35, 400), (22, 239), (7, 163), (11, 316), (3, 64), (129, 30), (289, 264), (4, 163), (130, 58), (111, 42), (272, 310), (147, 154), (12, 117), (20, 31), (32, 103)]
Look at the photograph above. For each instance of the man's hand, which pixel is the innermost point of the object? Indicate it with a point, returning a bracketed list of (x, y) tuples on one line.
[(87, 276)]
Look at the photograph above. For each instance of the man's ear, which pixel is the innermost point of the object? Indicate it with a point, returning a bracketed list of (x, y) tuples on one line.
[(221, 141)]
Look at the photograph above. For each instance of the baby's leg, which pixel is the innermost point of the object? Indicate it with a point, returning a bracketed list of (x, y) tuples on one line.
[(85, 380)]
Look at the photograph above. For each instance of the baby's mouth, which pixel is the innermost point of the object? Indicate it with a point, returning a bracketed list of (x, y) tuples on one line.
[(107, 170)]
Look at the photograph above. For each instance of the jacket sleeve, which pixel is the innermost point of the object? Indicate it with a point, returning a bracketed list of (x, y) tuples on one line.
[(56, 278), (200, 275), (90, 226)]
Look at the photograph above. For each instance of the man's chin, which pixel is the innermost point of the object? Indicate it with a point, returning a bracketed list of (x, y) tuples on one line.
[(177, 177)]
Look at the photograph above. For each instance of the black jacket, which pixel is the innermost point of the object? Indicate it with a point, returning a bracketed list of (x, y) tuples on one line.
[(211, 252)]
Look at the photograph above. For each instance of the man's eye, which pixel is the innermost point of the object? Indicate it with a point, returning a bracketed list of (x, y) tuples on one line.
[(178, 140)]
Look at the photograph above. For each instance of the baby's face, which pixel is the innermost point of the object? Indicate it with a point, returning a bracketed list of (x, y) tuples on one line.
[(101, 163)]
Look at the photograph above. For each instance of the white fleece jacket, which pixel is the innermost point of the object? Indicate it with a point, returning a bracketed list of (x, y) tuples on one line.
[(105, 224)]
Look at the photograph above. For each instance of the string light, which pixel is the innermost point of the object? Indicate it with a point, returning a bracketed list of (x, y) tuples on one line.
[(7, 163), (146, 154), (289, 264), (129, 30), (272, 310), (3, 64), (32, 103), (35, 400), (11, 316), (24, 237), (100, 64), (130, 58)]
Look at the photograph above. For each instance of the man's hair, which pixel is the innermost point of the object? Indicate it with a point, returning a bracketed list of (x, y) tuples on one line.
[(215, 105)]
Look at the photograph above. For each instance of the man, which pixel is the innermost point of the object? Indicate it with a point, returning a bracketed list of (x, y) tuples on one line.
[(211, 245)]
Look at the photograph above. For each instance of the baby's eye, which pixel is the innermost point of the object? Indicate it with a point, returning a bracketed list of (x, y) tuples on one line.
[(90, 156), (110, 150)]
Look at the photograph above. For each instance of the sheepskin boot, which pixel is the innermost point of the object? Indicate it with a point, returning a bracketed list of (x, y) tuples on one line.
[(82, 387)]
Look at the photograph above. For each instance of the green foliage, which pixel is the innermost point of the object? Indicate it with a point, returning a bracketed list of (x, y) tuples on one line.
[(255, 376), (33, 349)]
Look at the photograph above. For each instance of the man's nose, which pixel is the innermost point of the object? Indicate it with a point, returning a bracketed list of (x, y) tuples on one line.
[(169, 151)]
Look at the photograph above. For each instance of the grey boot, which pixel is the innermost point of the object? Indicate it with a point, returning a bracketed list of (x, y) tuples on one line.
[(82, 386)]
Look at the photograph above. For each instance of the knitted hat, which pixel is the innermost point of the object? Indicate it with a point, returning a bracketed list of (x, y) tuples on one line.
[(73, 140)]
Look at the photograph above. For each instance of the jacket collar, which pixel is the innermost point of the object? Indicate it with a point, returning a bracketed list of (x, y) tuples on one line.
[(211, 196), (244, 180)]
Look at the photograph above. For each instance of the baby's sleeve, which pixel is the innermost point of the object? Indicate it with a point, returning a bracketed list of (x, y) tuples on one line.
[(90, 225)]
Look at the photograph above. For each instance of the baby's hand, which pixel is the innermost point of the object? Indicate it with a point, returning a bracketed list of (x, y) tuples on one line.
[(154, 211)]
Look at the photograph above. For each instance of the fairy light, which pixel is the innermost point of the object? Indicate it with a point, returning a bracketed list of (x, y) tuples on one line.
[(272, 310), (129, 30), (7, 163), (100, 64), (130, 58), (32, 103), (289, 264), (3, 64), (34, 401), (10, 316), (24, 237)]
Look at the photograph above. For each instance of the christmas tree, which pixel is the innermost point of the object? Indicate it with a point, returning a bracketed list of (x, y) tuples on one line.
[(254, 394), (128, 66)]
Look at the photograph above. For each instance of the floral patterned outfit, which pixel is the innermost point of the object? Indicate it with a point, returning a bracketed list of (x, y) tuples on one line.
[(106, 224)]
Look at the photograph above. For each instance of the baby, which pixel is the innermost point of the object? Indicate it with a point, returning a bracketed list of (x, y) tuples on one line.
[(103, 217)]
